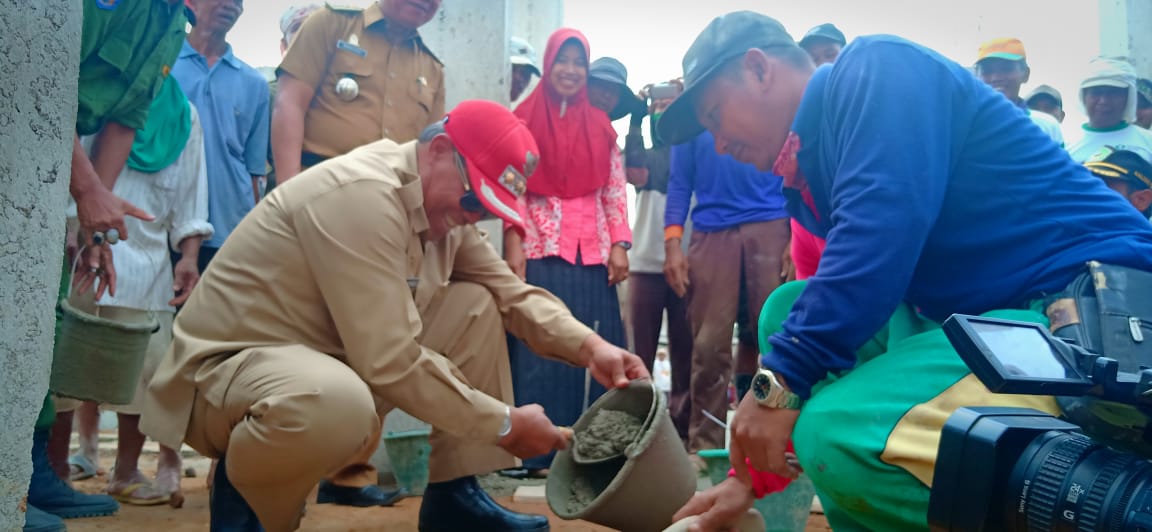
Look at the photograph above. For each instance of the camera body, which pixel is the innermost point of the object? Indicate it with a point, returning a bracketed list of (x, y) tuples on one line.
[(665, 90), (1020, 469)]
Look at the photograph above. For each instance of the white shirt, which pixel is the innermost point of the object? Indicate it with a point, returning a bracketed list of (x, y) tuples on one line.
[(1048, 125), (178, 197), (1130, 137)]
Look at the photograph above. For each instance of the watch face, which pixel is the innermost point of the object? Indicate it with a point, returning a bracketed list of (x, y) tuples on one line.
[(761, 385)]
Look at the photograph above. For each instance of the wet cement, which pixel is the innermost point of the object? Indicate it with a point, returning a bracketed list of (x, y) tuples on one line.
[(608, 435)]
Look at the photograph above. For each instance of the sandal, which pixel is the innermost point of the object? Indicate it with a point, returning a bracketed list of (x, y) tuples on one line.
[(80, 468), (128, 495), (523, 474)]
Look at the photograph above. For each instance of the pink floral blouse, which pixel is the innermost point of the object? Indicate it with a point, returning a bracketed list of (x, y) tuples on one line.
[(592, 223)]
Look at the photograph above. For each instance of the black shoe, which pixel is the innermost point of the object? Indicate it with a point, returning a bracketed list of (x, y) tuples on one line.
[(462, 504), (228, 511), (37, 520), (330, 493), (50, 494)]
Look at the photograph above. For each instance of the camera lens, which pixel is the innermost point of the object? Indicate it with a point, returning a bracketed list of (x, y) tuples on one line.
[(1066, 481)]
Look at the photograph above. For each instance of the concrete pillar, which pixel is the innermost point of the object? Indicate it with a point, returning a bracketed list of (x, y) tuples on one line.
[(1124, 32), (534, 21), (39, 58), (471, 38)]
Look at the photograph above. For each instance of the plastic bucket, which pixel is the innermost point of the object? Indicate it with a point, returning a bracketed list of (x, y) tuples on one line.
[(98, 359), (408, 451), (639, 491), (786, 511)]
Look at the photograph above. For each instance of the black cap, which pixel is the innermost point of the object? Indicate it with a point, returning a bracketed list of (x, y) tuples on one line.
[(1125, 165), (824, 31), (612, 71), (726, 37)]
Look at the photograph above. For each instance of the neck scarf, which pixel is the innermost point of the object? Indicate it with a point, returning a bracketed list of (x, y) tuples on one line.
[(575, 139), (164, 136)]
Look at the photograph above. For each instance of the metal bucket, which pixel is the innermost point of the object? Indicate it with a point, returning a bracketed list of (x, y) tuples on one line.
[(96, 358), (639, 491)]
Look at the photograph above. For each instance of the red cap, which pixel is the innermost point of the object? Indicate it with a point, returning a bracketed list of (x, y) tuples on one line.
[(499, 151)]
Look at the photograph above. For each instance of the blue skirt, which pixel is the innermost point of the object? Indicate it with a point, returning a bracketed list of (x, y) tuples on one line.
[(556, 386)]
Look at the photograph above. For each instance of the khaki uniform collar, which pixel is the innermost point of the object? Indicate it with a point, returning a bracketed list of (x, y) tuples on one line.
[(411, 191), (374, 17)]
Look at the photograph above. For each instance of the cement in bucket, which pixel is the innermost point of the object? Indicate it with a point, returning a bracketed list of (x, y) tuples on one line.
[(639, 491), (98, 359)]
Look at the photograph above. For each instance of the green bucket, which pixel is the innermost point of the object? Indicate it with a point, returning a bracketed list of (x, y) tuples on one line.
[(408, 451), (98, 359), (786, 511)]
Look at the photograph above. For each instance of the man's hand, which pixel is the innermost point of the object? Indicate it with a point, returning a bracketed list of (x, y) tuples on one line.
[(95, 264), (720, 508), (514, 253), (185, 275), (617, 265), (675, 267), (761, 435), (533, 434), (100, 210), (611, 366)]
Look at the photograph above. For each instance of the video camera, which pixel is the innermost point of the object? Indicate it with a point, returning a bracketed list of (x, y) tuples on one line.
[(1007, 469)]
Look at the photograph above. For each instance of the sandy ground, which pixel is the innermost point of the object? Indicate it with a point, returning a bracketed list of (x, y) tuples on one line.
[(193, 517)]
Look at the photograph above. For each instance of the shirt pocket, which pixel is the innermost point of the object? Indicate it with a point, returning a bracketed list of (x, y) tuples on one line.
[(241, 125), (422, 92), (347, 64), (116, 53)]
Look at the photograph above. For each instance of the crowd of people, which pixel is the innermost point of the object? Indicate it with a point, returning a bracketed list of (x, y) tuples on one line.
[(306, 241)]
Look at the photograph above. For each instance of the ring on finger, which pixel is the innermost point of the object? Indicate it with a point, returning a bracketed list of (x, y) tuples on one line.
[(113, 236), (98, 238)]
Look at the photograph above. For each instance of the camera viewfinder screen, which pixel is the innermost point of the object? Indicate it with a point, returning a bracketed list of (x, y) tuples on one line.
[(1022, 351)]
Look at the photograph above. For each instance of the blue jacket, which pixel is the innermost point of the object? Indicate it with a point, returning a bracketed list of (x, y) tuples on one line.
[(932, 189), (729, 193)]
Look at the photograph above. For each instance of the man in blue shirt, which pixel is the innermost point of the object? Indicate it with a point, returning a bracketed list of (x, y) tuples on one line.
[(232, 99), (925, 214), (740, 231)]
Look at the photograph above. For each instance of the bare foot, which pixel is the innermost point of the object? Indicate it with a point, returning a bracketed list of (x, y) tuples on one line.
[(168, 476)]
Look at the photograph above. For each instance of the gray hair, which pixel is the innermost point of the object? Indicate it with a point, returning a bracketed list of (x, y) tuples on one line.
[(433, 129)]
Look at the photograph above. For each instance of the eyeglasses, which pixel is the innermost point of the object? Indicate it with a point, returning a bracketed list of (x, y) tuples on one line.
[(469, 201)]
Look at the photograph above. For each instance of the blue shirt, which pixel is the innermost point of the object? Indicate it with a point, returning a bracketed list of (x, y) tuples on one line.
[(729, 193), (232, 99), (933, 189)]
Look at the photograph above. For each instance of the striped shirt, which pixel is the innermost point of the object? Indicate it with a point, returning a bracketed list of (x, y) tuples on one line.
[(178, 197)]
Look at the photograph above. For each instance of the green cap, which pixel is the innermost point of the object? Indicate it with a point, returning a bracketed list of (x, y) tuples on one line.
[(726, 37)]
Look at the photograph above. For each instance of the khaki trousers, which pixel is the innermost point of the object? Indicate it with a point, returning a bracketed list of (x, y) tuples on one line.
[(293, 416), (720, 265)]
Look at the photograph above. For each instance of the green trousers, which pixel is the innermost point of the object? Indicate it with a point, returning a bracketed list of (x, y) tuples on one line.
[(48, 411), (868, 437)]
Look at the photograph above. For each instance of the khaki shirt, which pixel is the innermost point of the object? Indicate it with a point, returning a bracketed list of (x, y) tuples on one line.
[(401, 85), (325, 262)]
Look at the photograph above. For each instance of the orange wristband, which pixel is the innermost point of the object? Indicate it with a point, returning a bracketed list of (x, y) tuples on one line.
[(673, 231)]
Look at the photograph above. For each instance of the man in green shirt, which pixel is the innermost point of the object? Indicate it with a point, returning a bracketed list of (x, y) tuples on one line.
[(126, 50)]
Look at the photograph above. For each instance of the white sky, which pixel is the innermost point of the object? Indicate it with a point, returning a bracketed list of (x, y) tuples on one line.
[(651, 36)]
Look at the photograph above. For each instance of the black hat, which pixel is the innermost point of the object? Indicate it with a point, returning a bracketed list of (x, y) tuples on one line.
[(824, 31), (726, 37), (1125, 165), (612, 71)]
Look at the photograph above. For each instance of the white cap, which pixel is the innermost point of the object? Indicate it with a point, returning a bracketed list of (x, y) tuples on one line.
[(522, 53)]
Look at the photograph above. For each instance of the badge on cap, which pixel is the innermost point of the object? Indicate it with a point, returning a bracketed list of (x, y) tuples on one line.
[(514, 181)]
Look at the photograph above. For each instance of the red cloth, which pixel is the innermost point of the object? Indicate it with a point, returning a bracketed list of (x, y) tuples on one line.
[(763, 482), (575, 149), (806, 247)]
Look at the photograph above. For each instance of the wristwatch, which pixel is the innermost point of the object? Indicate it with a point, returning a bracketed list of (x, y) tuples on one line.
[(769, 393), (623, 244), (506, 427)]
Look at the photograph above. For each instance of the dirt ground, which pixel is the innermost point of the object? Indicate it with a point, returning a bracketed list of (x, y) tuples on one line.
[(193, 517)]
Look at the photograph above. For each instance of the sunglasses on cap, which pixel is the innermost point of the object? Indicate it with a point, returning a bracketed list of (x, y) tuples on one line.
[(469, 201)]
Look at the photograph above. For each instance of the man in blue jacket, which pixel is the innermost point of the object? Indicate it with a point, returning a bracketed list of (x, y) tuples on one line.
[(925, 213)]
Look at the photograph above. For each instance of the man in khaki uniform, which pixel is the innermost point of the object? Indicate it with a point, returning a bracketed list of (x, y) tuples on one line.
[(360, 287), (353, 76)]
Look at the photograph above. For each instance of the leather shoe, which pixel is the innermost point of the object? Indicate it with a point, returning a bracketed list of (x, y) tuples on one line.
[(462, 504), (330, 493), (50, 494), (228, 511)]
